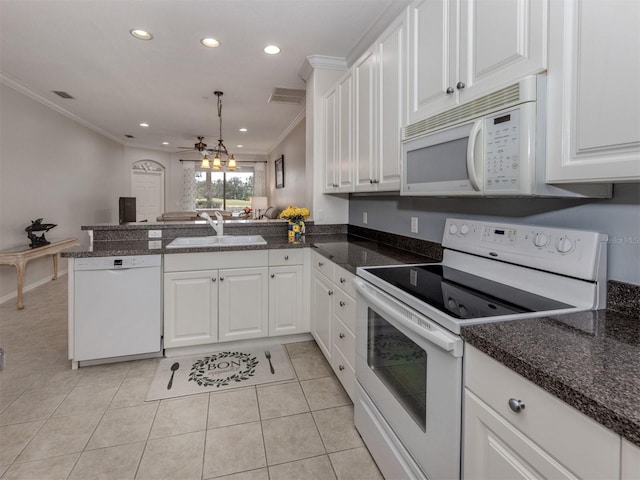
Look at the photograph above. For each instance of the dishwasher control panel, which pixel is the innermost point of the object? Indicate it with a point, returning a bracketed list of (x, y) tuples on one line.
[(116, 263)]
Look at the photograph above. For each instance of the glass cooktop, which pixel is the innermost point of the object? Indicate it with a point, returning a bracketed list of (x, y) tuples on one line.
[(462, 295)]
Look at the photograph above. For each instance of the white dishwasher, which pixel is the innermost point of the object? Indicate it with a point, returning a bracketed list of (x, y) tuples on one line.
[(117, 306)]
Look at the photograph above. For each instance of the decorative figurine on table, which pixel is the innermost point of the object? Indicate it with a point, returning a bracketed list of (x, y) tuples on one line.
[(38, 226)]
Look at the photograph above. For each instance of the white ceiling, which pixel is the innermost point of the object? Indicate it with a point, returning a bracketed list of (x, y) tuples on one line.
[(84, 47)]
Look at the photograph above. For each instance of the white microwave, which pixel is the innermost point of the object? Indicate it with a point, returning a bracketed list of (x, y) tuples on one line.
[(492, 146)]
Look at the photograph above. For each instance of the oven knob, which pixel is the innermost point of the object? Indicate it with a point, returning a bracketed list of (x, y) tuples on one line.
[(453, 229), (464, 229), (464, 313), (564, 245), (452, 304), (540, 240)]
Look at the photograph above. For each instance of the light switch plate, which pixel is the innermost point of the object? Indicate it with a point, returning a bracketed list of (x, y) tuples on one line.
[(414, 224), (155, 233), (364, 217)]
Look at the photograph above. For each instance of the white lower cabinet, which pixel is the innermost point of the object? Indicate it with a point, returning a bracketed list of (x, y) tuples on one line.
[(288, 293), (514, 429), (243, 304), (630, 459), (333, 318), (190, 308)]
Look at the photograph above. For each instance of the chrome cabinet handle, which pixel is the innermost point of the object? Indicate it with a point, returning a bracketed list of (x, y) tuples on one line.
[(330, 292), (450, 90), (516, 406), (273, 275), (341, 335), (460, 85), (213, 279), (342, 304), (341, 367), (222, 279), (320, 264), (342, 280), (286, 257)]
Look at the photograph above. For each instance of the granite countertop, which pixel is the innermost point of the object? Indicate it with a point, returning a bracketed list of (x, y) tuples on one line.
[(590, 360)]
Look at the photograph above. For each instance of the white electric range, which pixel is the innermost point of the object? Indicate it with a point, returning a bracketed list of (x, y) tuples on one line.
[(408, 405)]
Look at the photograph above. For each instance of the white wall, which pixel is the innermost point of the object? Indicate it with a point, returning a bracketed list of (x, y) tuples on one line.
[(293, 149), (619, 217), (52, 167)]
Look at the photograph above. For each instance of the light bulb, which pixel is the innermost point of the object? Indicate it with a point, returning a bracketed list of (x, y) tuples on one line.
[(205, 163), (232, 163)]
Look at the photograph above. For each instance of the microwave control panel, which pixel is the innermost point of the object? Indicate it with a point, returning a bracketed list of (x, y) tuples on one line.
[(502, 151)]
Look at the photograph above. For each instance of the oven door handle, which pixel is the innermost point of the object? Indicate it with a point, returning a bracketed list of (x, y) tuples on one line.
[(447, 342)]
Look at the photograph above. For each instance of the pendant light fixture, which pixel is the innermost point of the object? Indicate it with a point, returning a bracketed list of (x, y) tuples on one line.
[(220, 149)]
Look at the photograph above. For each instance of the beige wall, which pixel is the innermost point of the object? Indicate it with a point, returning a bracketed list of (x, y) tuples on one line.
[(52, 167), (293, 149)]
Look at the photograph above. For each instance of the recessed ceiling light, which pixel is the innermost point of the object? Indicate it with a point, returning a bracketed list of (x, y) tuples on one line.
[(239, 146), (141, 34), (272, 49), (165, 143), (144, 124), (243, 129), (210, 42)]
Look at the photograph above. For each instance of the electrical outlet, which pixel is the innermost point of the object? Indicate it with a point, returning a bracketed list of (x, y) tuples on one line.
[(414, 224), (155, 233), (364, 217), (153, 244)]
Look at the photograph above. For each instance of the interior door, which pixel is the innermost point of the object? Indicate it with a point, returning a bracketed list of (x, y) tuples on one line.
[(148, 188)]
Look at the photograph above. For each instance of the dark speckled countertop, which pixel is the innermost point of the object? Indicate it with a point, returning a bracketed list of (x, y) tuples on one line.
[(590, 360)]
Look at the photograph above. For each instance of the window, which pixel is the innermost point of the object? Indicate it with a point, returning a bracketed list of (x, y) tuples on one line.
[(224, 190)]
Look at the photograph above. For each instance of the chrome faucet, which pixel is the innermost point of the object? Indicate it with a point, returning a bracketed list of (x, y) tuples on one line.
[(217, 225)]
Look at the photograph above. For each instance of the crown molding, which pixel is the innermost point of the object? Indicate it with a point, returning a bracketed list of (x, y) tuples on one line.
[(294, 123), (26, 91), (320, 61)]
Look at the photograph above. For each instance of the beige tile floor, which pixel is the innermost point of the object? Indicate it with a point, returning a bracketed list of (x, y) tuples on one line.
[(93, 423)]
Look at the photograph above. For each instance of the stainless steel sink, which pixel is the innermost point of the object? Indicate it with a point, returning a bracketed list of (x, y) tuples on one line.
[(217, 241)]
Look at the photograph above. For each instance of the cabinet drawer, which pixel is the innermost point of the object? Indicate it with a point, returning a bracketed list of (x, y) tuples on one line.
[(344, 279), (285, 256), (345, 341), (344, 372), (190, 262), (344, 307), (323, 265), (582, 445)]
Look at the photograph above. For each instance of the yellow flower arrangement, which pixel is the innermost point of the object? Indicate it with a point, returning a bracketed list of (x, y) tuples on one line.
[(295, 213)]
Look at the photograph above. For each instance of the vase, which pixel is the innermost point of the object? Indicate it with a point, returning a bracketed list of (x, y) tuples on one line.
[(295, 231)]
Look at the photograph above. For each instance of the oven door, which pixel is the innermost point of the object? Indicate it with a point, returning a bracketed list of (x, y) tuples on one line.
[(411, 370)]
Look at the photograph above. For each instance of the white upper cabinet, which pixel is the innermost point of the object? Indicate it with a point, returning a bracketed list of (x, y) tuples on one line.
[(330, 141), (593, 128), (379, 93), (463, 49)]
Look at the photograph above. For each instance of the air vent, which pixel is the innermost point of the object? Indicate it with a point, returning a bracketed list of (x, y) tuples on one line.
[(129, 136), (62, 94), (286, 95), (508, 96)]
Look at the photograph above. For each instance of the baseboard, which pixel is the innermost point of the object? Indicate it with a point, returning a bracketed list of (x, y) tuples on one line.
[(31, 286)]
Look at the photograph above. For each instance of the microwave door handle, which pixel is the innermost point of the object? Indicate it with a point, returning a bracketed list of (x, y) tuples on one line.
[(476, 131)]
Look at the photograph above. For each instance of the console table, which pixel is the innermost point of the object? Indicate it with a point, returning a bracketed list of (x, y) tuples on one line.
[(19, 256)]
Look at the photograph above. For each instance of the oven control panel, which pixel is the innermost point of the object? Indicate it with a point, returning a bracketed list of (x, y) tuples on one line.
[(558, 250)]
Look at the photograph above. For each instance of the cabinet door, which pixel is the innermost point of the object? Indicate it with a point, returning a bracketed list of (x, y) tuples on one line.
[(391, 76), (321, 312), (244, 307), (493, 448), (286, 313), (500, 43), (593, 128), (330, 142), (344, 170), (365, 121), (190, 308), (433, 57)]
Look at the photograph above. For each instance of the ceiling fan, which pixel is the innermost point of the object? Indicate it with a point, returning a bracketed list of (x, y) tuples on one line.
[(200, 146)]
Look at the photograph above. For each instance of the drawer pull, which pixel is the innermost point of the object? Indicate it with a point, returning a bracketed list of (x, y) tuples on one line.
[(213, 279), (286, 257), (222, 279), (342, 280), (273, 275), (341, 367), (320, 264), (341, 335), (516, 406), (330, 292), (342, 304)]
